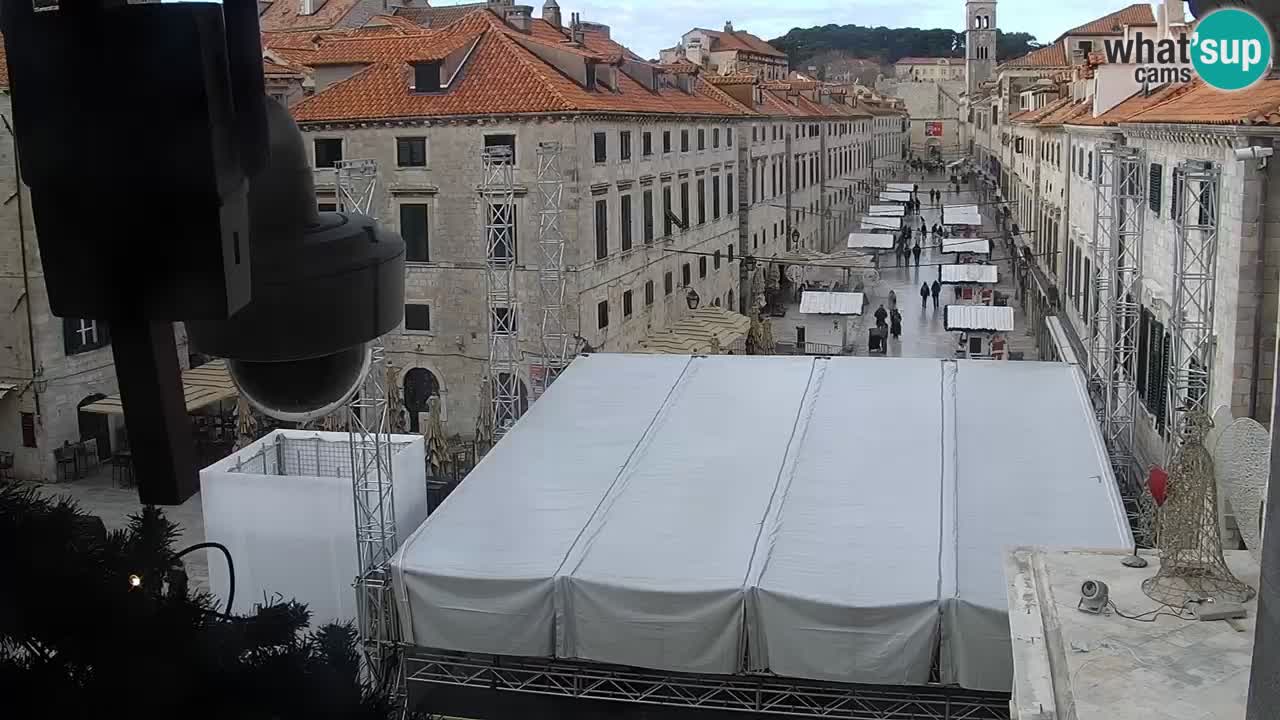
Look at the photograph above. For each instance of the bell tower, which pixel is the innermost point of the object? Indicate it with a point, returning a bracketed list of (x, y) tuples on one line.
[(979, 42)]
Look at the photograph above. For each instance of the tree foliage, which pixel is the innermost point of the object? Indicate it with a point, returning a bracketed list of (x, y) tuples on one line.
[(888, 45), (94, 622)]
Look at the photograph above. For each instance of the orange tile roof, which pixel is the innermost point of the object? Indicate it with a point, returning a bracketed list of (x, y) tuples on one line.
[(733, 79), (1134, 105), (1033, 117), (282, 15), (1113, 24), (1054, 55), (742, 41), (1199, 104), (437, 16), (1066, 113), (500, 76)]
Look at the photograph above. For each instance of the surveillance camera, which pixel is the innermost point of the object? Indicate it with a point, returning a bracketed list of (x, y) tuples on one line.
[(1254, 152), (323, 286)]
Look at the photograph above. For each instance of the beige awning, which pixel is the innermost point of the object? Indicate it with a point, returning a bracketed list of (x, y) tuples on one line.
[(201, 386), (705, 330)]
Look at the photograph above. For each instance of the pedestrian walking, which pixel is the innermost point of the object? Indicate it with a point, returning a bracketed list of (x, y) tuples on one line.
[(893, 300), (924, 295), (916, 251), (924, 229), (935, 290), (895, 323), (881, 314)]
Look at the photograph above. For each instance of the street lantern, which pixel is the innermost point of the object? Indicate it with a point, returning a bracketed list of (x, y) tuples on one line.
[(693, 299), (795, 239)]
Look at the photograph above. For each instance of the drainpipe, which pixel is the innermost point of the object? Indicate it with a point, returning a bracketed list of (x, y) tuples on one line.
[(1259, 278), (26, 276)]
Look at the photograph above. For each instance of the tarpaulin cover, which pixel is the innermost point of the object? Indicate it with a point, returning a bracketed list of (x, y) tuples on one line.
[(842, 521), (871, 240), (961, 215), (876, 222)]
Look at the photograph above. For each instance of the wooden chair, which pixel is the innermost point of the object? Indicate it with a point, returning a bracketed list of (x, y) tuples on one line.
[(122, 469), (65, 457)]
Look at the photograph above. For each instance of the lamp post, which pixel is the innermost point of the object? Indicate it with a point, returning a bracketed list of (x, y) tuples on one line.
[(795, 240)]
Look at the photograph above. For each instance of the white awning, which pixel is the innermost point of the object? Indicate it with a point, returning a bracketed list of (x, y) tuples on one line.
[(831, 303), (900, 187), (978, 317), (895, 197), (977, 246), (6, 388), (201, 386), (887, 210), (955, 164), (966, 215), (969, 273), (881, 223), (872, 240)]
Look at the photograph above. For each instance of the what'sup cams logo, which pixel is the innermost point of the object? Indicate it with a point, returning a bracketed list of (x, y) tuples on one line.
[(1230, 49)]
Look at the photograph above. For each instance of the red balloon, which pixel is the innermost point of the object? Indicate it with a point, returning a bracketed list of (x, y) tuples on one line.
[(1158, 484)]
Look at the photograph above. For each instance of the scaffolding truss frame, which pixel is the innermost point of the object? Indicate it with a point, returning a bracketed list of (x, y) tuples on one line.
[(551, 269), (1191, 318), (498, 195), (736, 693), (372, 487), (1124, 165), (355, 182), (1100, 326)]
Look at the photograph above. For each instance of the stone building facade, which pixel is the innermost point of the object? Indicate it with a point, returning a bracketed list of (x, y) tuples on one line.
[(727, 52)]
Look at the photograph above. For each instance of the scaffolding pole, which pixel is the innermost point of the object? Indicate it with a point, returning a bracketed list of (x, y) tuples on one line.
[(1124, 167), (498, 191), (551, 274), (355, 182), (1100, 324), (1195, 270)]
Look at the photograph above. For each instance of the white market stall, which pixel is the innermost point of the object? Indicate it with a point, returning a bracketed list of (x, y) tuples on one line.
[(694, 519), (896, 197), (841, 308), (881, 223), (961, 216), (973, 281), (900, 187), (870, 241), (967, 250), (983, 330), (887, 210)]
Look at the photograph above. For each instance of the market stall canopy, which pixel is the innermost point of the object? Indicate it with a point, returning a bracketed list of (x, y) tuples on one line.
[(703, 331), (6, 388), (836, 519), (900, 187), (969, 273), (887, 210), (977, 246), (966, 215), (201, 386), (955, 164), (978, 318), (895, 197), (871, 241), (881, 223), (814, 302)]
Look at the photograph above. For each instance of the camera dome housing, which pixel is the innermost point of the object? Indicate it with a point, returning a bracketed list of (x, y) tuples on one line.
[(323, 286)]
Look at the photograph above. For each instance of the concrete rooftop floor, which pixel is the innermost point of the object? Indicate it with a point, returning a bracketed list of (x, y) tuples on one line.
[(1070, 665)]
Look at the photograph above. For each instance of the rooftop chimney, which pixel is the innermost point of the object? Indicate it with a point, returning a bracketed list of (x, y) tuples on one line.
[(309, 7), (520, 17), (551, 12), (728, 26), (575, 29)]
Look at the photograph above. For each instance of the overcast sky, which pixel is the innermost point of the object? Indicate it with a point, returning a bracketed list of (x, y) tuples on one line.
[(648, 25)]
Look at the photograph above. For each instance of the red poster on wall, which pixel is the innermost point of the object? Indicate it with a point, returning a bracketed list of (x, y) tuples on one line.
[(933, 129)]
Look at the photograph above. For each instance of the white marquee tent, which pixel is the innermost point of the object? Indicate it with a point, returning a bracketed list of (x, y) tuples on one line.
[(887, 210), (976, 246), (968, 273), (895, 196), (961, 215), (881, 223), (678, 513), (870, 240), (900, 187)]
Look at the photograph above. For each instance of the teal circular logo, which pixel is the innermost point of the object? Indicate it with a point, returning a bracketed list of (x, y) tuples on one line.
[(1231, 49)]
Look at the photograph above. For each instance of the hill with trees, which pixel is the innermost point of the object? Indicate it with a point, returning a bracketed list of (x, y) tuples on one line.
[(888, 45)]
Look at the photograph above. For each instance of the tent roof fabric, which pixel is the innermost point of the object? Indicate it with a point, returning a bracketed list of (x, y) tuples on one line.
[(201, 386), (895, 196), (872, 240), (831, 303), (881, 223), (969, 273), (978, 317), (695, 519), (900, 187), (961, 215), (887, 210), (977, 246), (705, 330)]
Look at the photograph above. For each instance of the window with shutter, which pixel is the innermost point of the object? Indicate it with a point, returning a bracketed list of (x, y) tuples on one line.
[(1155, 186), (625, 223), (1175, 195), (1144, 329), (1208, 212), (647, 210), (602, 229)]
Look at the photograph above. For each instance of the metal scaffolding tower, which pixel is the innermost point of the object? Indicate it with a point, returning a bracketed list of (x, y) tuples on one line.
[(356, 180), (551, 274), (1195, 270), (1123, 166), (369, 427), (1100, 323), (498, 191)]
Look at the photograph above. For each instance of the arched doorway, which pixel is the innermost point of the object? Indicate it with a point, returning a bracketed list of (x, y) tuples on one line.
[(419, 385), (95, 426)]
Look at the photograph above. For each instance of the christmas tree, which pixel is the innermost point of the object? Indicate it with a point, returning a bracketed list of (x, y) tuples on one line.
[(94, 622)]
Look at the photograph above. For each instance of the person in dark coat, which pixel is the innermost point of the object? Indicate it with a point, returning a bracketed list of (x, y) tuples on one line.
[(924, 295), (924, 229), (895, 324), (916, 252), (881, 314), (935, 290)]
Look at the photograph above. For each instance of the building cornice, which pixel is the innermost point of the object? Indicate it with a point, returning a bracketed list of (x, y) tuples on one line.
[(1218, 135), (456, 120)]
